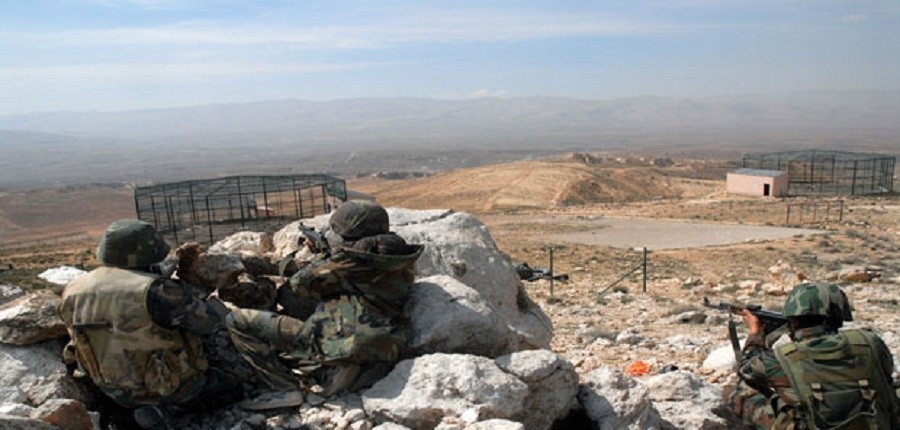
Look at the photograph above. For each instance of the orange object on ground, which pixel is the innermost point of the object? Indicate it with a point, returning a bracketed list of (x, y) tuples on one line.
[(638, 368)]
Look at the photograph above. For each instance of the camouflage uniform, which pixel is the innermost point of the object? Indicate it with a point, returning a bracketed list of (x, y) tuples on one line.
[(768, 396), (135, 333), (359, 294)]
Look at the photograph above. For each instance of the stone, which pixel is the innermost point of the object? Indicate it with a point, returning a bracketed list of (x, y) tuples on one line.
[(629, 337), (34, 374), (685, 401), (447, 316), (614, 401), (774, 289), (390, 426), (16, 409), (750, 285), (244, 242), (9, 293), (205, 270), (454, 240), (552, 384), (690, 317), (67, 414), (721, 358), (420, 392), (855, 274), (61, 275), (497, 424), (12, 422), (31, 319), (785, 275)]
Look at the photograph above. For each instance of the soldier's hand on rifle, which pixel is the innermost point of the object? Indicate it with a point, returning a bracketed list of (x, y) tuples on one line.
[(753, 324), (310, 245)]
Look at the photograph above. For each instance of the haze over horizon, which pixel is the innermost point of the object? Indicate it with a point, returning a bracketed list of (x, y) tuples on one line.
[(115, 55)]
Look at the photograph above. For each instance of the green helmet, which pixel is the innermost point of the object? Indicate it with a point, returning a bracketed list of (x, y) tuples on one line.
[(822, 299), (131, 244), (359, 218)]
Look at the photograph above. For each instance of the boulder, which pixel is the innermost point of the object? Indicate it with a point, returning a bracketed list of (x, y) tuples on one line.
[(855, 274), (67, 414), (448, 316), (721, 358), (420, 392), (244, 242), (34, 374), (685, 401), (31, 319), (552, 386), (61, 275), (460, 246), (206, 270), (614, 401), (16, 409), (9, 293), (390, 426)]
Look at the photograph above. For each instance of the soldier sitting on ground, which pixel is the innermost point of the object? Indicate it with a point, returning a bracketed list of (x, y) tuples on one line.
[(350, 315), (136, 333), (825, 378)]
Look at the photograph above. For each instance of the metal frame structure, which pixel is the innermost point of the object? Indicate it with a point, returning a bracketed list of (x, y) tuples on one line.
[(208, 210), (829, 173)]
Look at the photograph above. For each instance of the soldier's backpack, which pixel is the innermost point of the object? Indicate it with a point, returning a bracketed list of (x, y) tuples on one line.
[(841, 382)]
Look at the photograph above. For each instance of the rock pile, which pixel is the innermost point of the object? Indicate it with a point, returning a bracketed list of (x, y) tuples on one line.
[(478, 356)]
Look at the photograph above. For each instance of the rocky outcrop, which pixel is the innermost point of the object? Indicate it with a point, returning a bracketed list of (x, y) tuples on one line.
[(244, 242), (614, 401), (448, 316), (552, 386), (31, 319), (420, 392), (207, 270), (34, 374), (9, 293), (66, 414), (685, 401)]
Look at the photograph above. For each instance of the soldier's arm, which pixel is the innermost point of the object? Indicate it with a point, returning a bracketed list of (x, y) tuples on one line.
[(320, 277), (171, 305)]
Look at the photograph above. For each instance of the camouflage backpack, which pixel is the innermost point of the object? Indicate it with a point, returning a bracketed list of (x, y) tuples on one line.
[(841, 381), (841, 377)]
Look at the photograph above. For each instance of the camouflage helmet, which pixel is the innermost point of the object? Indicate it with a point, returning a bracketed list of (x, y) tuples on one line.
[(359, 218), (131, 244), (823, 299)]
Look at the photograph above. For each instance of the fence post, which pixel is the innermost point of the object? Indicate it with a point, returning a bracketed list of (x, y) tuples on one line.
[(551, 271), (645, 269)]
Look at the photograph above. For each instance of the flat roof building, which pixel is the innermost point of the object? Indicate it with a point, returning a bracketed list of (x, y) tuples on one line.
[(757, 182)]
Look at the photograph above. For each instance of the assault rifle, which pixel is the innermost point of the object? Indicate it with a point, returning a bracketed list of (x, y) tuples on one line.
[(531, 274), (318, 241), (770, 320)]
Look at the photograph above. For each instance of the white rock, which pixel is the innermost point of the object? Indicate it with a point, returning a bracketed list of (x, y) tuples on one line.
[(497, 424), (31, 319), (614, 401), (552, 384), (750, 285), (447, 316), (454, 237), (685, 401), (244, 242), (32, 375), (420, 392), (207, 270), (61, 275), (390, 426), (9, 293), (721, 358), (16, 409), (12, 422), (629, 337)]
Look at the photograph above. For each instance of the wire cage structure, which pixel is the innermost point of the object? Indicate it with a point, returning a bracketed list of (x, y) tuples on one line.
[(209, 210), (829, 173)]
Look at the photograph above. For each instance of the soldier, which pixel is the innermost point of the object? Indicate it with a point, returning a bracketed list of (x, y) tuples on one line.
[(136, 333), (825, 378), (350, 317)]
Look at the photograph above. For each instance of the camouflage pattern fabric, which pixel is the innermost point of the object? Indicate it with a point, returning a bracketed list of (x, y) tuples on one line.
[(358, 316), (765, 397), (168, 376), (823, 299), (131, 244), (359, 218)]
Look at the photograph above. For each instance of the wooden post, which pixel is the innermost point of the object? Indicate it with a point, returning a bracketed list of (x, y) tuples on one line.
[(645, 269), (551, 271)]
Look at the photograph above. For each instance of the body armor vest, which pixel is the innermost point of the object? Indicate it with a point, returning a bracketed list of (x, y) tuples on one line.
[(116, 342), (841, 382)]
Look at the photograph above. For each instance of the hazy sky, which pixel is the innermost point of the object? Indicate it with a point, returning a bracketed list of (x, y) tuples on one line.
[(125, 54)]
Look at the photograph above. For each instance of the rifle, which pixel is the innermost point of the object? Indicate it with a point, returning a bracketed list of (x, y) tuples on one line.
[(318, 241), (770, 320), (531, 274)]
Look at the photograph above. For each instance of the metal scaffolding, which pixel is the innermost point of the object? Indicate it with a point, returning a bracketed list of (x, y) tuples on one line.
[(208, 210), (829, 173)]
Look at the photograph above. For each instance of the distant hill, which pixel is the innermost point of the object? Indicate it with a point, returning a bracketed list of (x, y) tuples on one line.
[(349, 136)]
